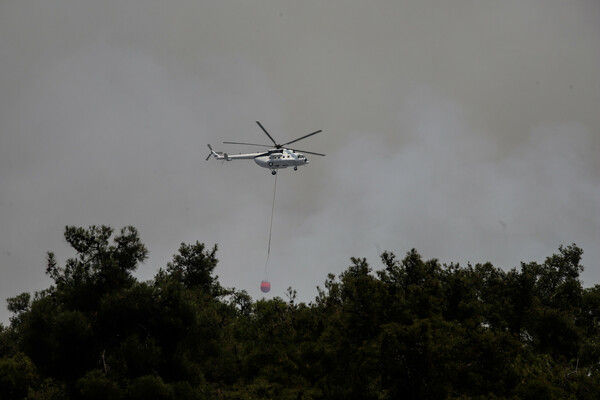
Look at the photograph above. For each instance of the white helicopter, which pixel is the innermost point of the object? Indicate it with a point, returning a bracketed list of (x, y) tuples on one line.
[(273, 158)]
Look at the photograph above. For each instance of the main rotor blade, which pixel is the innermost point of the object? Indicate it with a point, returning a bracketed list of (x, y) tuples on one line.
[(249, 144), (310, 152), (265, 131), (303, 137)]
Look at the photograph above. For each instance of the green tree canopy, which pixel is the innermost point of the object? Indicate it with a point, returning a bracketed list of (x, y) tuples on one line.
[(414, 328)]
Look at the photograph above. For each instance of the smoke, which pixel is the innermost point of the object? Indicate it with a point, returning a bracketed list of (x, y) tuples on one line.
[(468, 131), (447, 192)]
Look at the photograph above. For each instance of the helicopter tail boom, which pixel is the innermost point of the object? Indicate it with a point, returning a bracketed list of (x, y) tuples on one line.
[(218, 155)]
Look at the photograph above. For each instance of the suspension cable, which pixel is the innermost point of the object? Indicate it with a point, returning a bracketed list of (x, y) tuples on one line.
[(271, 224)]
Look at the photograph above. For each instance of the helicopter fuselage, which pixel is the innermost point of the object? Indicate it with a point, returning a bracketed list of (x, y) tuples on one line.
[(281, 159), (273, 159)]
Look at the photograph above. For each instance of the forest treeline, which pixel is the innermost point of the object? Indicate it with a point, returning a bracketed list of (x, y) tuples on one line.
[(412, 329)]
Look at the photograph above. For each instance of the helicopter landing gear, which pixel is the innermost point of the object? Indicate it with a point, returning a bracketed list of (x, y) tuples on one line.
[(295, 168), (273, 172)]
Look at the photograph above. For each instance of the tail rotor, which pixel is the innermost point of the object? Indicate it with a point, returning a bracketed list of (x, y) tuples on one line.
[(211, 152)]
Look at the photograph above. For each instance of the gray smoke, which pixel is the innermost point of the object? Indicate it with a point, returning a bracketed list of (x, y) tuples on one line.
[(468, 130)]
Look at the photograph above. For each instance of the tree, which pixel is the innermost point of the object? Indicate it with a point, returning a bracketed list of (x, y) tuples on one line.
[(96, 385), (58, 329), (99, 267), (414, 329), (151, 387), (17, 376), (194, 266), (18, 305)]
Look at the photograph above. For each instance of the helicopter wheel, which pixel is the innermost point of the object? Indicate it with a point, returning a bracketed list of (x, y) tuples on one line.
[(273, 172), (295, 168)]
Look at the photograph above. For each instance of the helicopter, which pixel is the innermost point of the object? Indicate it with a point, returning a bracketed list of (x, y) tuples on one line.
[(273, 158)]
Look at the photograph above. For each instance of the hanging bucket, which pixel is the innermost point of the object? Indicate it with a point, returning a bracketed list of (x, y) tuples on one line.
[(265, 286)]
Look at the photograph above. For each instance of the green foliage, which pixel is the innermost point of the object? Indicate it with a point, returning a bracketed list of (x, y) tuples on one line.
[(99, 267), (413, 329), (17, 375), (150, 387), (95, 385), (18, 305), (193, 267)]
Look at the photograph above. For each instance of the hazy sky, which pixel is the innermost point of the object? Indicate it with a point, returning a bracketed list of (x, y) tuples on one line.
[(469, 130)]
